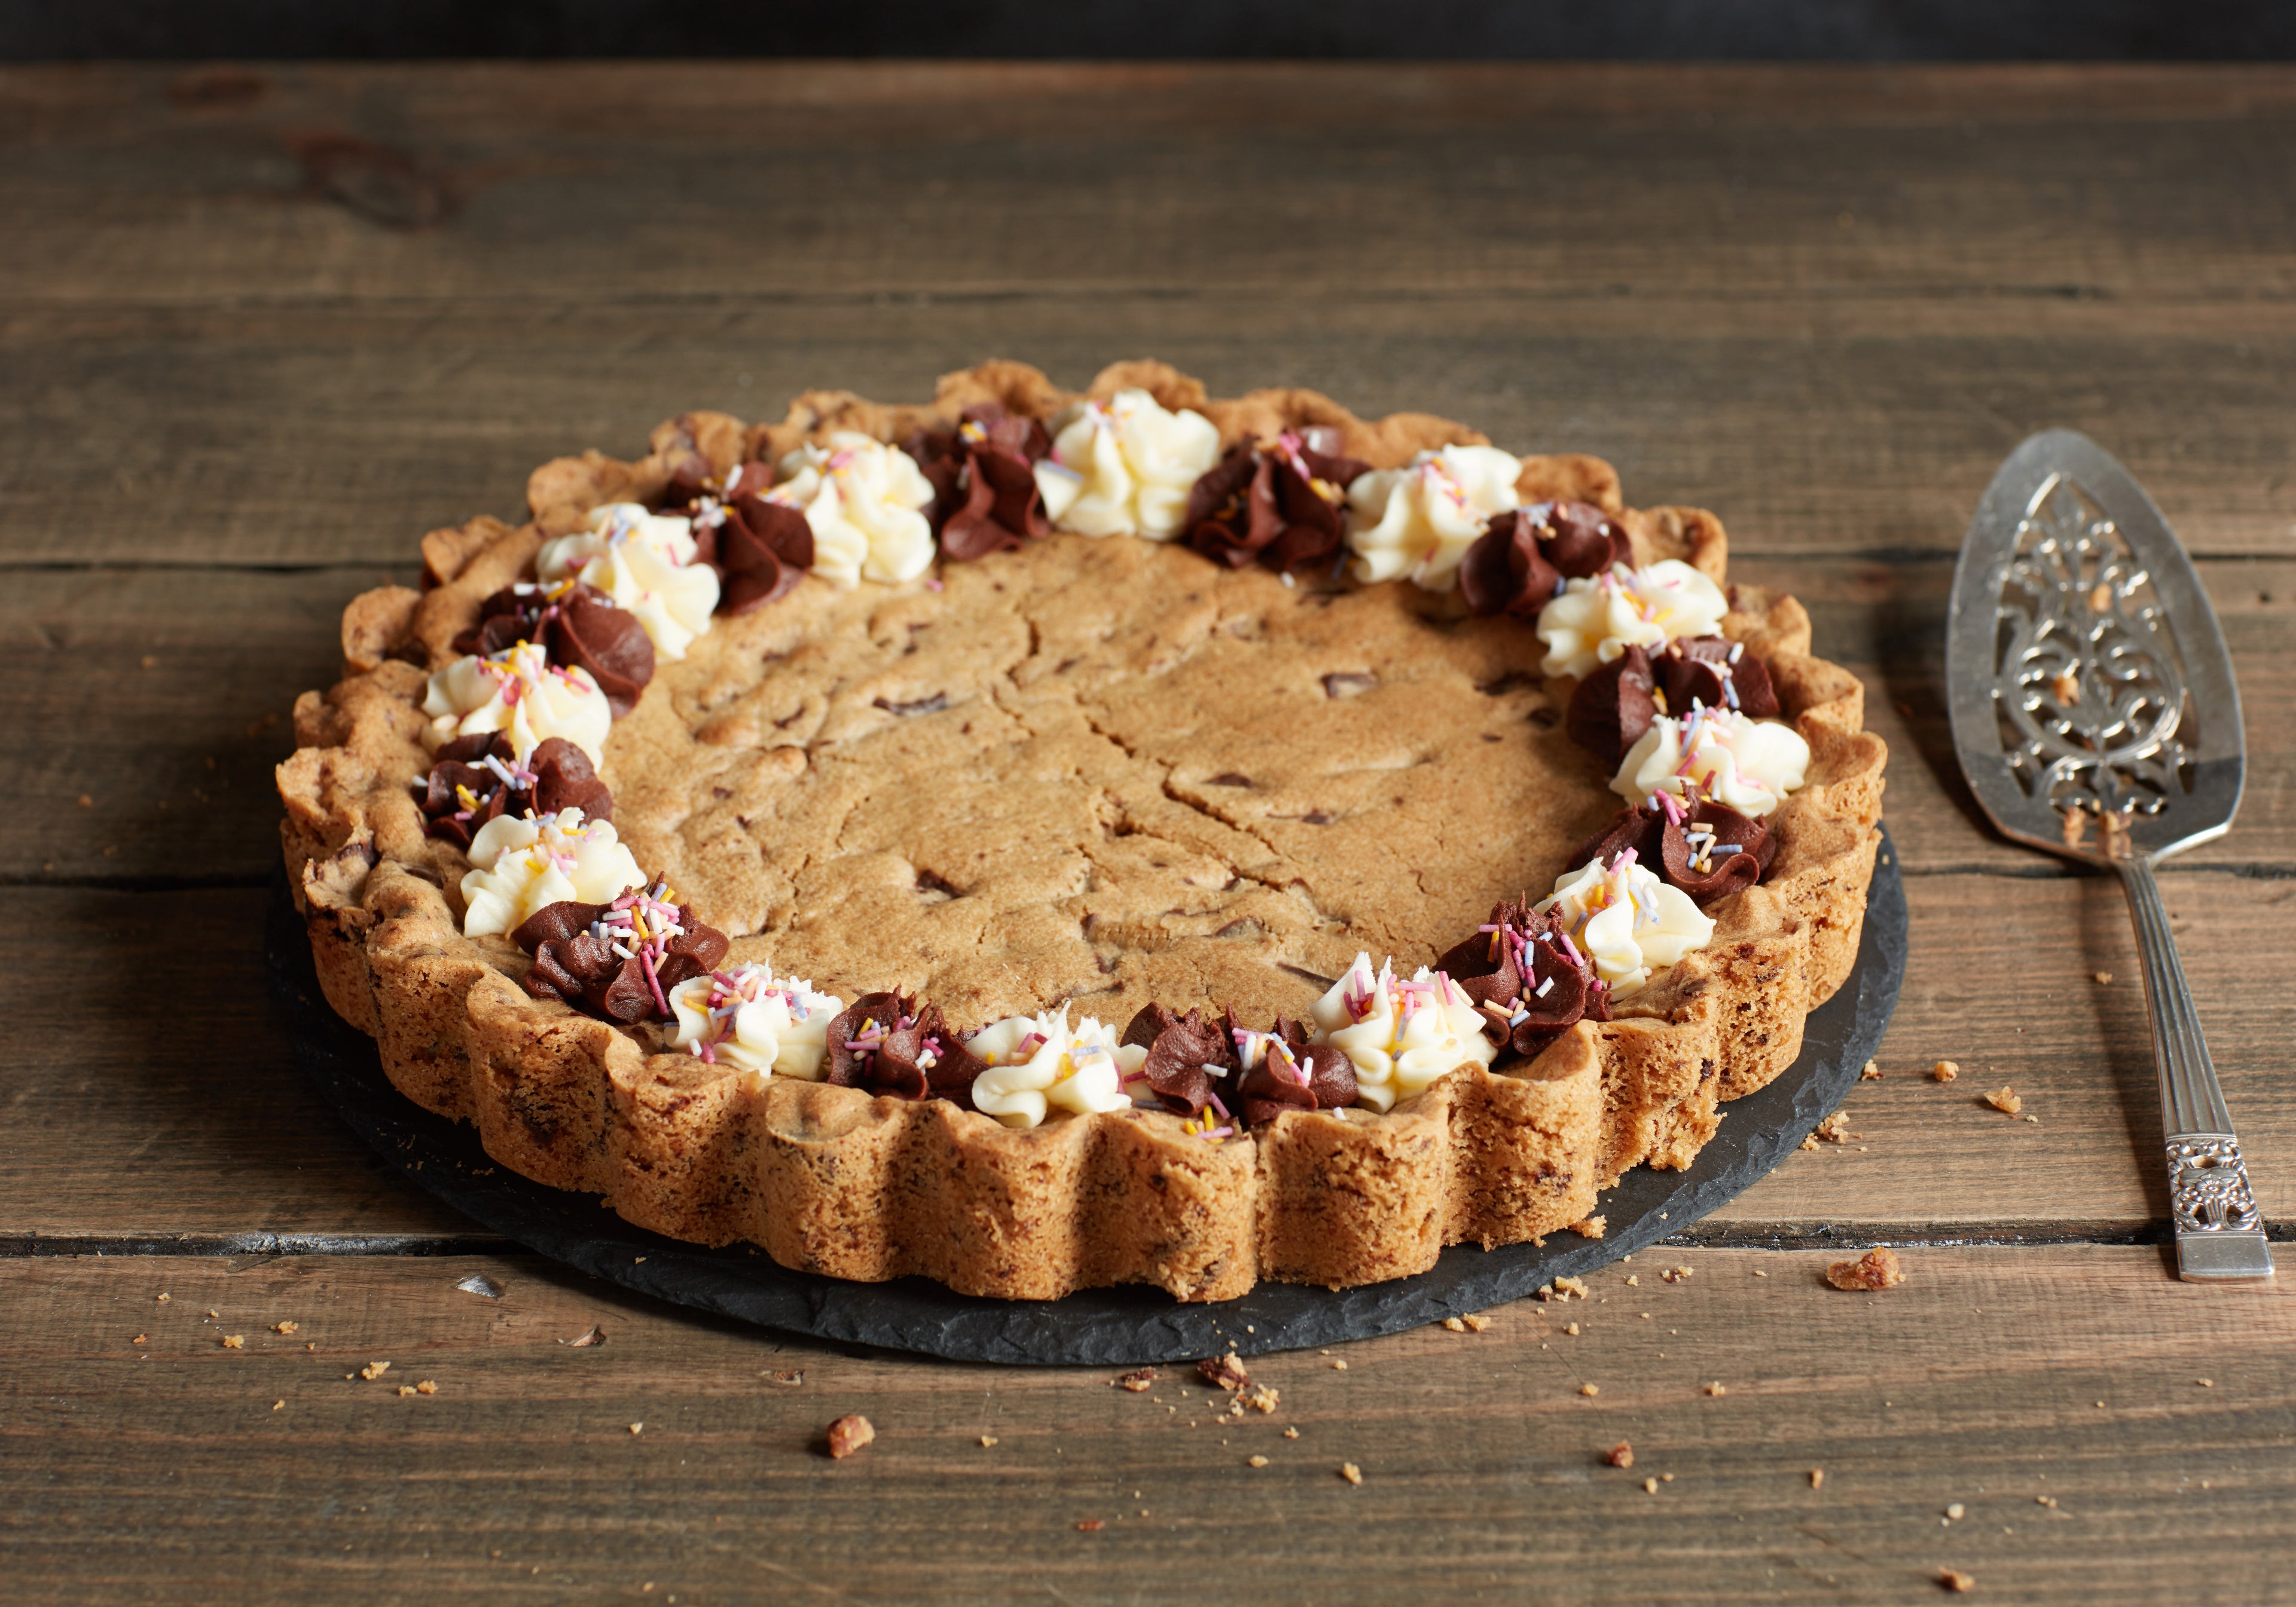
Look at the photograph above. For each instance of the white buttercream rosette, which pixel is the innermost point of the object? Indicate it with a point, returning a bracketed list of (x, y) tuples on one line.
[(644, 562), (1399, 1036), (1417, 522), (745, 1017), (1627, 921), (1039, 1063), (521, 865), (521, 693), (866, 501), (1125, 466), (1748, 763), (1594, 621)]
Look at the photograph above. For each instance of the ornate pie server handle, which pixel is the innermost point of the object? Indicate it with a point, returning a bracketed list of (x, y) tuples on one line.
[(2220, 1231)]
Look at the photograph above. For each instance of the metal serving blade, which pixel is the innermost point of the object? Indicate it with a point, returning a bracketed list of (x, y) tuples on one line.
[(2095, 715)]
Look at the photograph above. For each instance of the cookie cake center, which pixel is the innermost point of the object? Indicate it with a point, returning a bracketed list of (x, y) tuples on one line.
[(1103, 771)]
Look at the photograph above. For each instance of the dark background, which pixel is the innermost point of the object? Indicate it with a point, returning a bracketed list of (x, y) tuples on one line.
[(1869, 30)]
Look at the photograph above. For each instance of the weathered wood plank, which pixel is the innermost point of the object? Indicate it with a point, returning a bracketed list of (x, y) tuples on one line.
[(2051, 1397), (331, 433), (696, 179), (175, 758), (188, 1116)]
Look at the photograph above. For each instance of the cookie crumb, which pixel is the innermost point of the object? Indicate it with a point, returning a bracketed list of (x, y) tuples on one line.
[(1454, 1324), (638, 1427), (986, 1440), (1620, 1454), (374, 1370), (1953, 1579), (234, 1342), (1590, 1227), (278, 1406), (1091, 1526), (1818, 1477), (1634, 1280), (1476, 1322), (1349, 1471), (1255, 1460), (2045, 1501), (140, 1339), (1138, 1381), (1955, 1510), (1650, 1486), (1224, 1372), (1675, 1275), (1590, 1388), (1870, 1073), (2067, 688), (786, 1379), (161, 1299), (2104, 979), (1565, 1288), (1291, 1433), (428, 1386), (1260, 1397), (1573, 1331), (1716, 1388), (1945, 1071), (596, 1336), (284, 1327), (2205, 1383), (407, 1388), (848, 1434), (1339, 1367), (1877, 1268)]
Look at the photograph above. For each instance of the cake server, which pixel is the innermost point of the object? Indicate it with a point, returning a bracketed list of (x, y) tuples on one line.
[(2096, 716)]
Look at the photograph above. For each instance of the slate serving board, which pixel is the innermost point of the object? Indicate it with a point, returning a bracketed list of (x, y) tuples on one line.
[(1101, 1327)]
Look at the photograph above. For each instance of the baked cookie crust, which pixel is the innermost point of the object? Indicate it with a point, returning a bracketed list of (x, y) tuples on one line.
[(1105, 771)]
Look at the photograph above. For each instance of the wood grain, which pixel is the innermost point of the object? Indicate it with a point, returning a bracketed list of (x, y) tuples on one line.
[(191, 1117), (337, 431), (1992, 1380)]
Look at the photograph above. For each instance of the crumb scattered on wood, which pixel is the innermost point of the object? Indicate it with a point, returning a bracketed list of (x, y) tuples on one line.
[(1255, 1460), (638, 1427), (986, 1440), (407, 1388), (1590, 1227), (1224, 1372), (1957, 1581), (2048, 1500), (279, 1405), (1573, 1331), (1455, 1324), (1833, 1129), (1139, 1380), (140, 1339), (2005, 1099), (1818, 1477), (1956, 1510), (1091, 1526), (2104, 979), (1260, 1397), (1877, 1268), (596, 1336), (848, 1434), (234, 1342), (1620, 1454), (374, 1370), (1349, 1471), (1675, 1275), (1562, 1289), (1945, 1071), (1291, 1433), (284, 1327), (1476, 1322), (2206, 1383), (1716, 1388), (1650, 1486), (1871, 1073), (1339, 1367), (1590, 1388), (786, 1379)]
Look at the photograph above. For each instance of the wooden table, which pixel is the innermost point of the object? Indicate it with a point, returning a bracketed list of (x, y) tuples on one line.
[(264, 328)]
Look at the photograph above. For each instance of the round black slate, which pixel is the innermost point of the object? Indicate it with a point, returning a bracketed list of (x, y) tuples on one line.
[(1104, 1327)]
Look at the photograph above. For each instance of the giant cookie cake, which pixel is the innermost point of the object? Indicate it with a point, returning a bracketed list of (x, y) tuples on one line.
[(1038, 840)]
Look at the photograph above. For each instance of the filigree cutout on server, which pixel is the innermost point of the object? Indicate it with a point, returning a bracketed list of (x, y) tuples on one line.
[(2208, 1187), (2088, 688)]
